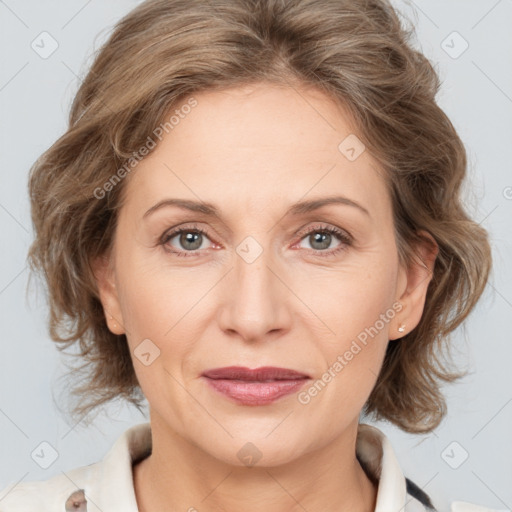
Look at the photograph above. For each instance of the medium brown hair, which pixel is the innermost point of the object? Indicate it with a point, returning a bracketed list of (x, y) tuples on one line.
[(356, 51)]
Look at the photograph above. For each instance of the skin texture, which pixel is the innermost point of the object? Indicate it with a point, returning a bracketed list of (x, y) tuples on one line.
[(253, 152)]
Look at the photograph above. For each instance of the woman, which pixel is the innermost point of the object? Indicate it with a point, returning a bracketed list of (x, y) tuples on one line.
[(298, 148)]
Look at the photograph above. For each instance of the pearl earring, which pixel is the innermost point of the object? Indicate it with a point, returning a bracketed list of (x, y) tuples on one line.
[(113, 323), (401, 328)]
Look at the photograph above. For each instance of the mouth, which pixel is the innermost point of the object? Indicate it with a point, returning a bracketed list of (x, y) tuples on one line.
[(258, 386), (262, 374)]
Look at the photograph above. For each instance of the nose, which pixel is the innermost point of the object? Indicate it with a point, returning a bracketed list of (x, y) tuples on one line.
[(257, 302)]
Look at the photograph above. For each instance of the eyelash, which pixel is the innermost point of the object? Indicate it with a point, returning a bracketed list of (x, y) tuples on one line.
[(344, 237)]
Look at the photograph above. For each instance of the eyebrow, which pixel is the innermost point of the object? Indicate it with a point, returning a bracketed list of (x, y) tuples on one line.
[(296, 209)]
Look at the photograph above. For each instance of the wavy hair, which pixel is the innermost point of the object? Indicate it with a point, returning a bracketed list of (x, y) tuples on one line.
[(358, 52)]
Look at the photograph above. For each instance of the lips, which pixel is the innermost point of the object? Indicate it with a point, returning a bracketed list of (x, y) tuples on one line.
[(260, 386), (262, 374)]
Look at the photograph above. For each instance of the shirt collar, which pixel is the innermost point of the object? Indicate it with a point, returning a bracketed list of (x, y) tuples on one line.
[(113, 482), (114, 477), (374, 450)]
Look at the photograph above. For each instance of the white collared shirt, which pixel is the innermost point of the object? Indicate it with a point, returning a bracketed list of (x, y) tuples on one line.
[(107, 485)]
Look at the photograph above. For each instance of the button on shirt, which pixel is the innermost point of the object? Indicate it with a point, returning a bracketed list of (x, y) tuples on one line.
[(107, 485)]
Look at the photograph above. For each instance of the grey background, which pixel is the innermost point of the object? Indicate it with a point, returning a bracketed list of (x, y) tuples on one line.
[(35, 94)]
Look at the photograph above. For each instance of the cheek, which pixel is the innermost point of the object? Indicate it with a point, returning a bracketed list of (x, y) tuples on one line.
[(345, 302), (158, 306), (145, 306), (352, 358), (357, 309), (161, 304)]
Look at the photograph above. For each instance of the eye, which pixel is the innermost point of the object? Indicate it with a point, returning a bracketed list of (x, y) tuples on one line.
[(320, 238), (189, 240)]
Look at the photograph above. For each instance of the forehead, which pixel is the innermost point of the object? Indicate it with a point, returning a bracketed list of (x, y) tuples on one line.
[(260, 145)]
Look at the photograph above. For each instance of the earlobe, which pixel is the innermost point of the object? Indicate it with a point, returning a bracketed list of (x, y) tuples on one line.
[(417, 278), (104, 275)]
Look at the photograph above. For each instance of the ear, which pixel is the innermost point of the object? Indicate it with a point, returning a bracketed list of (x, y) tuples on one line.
[(413, 284), (103, 270)]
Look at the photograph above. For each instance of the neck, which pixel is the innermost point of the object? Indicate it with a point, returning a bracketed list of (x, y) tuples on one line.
[(180, 476)]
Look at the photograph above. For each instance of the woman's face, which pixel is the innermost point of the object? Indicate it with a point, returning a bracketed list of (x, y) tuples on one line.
[(265, 283)]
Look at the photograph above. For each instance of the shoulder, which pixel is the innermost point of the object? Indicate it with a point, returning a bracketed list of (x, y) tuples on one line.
[(395, 491), (61, 492), (106, 485), (465, 506), (419, 501)]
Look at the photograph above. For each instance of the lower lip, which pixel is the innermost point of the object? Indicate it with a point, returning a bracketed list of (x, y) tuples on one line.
[(255, 393)]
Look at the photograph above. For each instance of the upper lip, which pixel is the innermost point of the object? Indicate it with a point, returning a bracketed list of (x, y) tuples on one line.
[(257, 374)]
